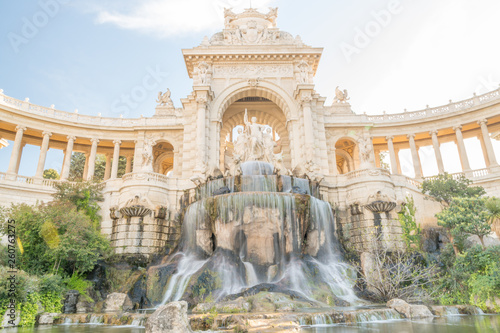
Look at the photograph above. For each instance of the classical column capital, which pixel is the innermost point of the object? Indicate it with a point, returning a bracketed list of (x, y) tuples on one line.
[(117, 142), (94, 140), (410, 136), (202, 101), (71, 137), (21, 128), (482, 122), (389, 138), (46, 133), (457, 128), (433, 132)]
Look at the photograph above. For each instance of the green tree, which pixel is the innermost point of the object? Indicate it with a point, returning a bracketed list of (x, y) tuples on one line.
[(50, 174), (444, 187), (382, 157), (56, 237), (85, 196), (465, 216), (412, 234), (78, 166), (493, 207)]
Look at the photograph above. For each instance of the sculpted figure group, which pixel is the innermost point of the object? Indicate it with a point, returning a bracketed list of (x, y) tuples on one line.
[(255, 143)]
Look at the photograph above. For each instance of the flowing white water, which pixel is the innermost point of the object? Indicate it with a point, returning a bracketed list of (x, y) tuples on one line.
[(339, 276), (186, 268), (96, 320), (251, 276), (250, 168), (302, 184), (287, 184), (259, 235), (259, 183)]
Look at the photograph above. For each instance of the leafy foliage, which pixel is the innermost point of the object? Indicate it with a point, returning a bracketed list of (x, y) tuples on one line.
[(465, 216), (84, 196), (78, 166), (412, 233), (51, 174), (78, 247), (77, 282), (382, 158), (472, 277), (444, 187)]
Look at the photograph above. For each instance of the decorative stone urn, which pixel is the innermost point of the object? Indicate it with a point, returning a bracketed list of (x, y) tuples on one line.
[(380, 206), (133, 211)]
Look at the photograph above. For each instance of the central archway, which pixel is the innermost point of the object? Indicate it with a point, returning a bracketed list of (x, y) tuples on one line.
[(269, 103), (267, 113)]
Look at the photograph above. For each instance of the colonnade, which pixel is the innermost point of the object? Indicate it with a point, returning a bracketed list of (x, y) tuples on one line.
[(112, 160), (483, 136)]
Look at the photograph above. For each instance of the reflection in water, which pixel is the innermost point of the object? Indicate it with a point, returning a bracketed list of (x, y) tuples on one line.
[(450, 324), (84, 328)]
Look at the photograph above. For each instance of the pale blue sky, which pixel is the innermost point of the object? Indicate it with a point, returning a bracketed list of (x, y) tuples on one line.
[(88, 54)]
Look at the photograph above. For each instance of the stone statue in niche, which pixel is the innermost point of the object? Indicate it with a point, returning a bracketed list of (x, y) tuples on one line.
[(269, 145), (147, 155), (239, 145), (164, 99), (254, 143), (365, 152), (255, 133), (303, 75), (341, 96), (202, 73)]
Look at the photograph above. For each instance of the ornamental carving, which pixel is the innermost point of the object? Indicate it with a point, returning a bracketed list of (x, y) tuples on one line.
[(202, 74), (252, 28), (252, 71)]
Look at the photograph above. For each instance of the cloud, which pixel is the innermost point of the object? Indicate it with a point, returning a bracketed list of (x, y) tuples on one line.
[(166, 18)]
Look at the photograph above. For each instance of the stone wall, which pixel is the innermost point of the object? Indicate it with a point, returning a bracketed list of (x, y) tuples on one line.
[(358, 228)]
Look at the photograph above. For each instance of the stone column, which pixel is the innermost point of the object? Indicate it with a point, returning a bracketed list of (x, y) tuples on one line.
[(128, 167), (308, 127), (415, 157), (461, 148), (43, 154), (16, 151), (437, 150), (392, 154), (18, 164), (333, 169), (116, 159), (67, 157), (107, 168), (62, 166), (201, 132), (487, 142), (396, 151), (86, 167), (93, 154)]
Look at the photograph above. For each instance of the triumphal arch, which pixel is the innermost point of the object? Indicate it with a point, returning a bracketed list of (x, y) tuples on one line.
[(249, 74)]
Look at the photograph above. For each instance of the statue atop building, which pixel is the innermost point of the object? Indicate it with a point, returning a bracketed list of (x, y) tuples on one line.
[(164, 99), (341, 96)]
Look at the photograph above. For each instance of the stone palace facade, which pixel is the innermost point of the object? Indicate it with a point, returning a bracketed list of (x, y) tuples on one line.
[(250, 65)]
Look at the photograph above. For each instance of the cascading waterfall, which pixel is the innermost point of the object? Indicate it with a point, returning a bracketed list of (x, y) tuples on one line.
[(240, 239)]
